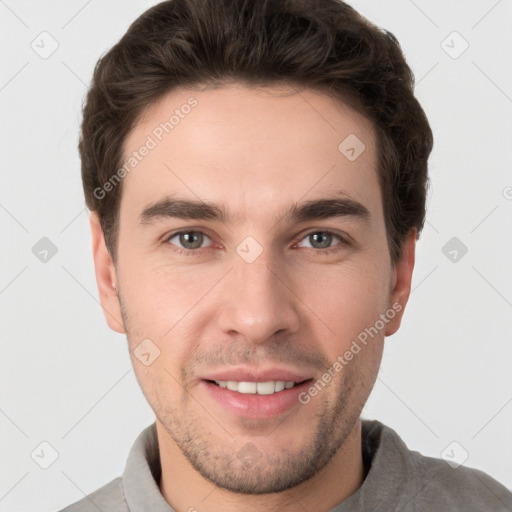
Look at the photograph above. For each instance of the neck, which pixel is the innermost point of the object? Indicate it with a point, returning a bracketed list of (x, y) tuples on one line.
[(186, 490)]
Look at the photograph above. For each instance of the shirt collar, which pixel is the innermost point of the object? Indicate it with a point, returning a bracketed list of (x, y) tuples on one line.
[(141, 476), (389, 470)]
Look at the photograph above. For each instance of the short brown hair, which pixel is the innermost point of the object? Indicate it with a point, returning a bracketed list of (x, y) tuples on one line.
[(320, 44)]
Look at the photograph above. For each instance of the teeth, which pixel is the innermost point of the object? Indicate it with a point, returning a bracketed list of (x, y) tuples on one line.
[(280, 385), (264, 388), (260, 388), (247, 387)]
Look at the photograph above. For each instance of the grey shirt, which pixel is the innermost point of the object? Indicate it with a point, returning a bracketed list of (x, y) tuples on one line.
[(397, 479)]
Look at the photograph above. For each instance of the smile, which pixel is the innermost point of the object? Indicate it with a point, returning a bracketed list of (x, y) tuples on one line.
[(260, 388)]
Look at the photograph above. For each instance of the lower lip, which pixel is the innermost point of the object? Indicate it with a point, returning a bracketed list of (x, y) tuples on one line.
[(253, 405)]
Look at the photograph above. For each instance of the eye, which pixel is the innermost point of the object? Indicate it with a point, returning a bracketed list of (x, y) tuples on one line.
[(189, 240), (322, 240)]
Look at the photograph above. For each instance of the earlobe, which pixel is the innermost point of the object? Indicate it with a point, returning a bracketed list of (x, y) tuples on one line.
[(401, 284), (105, 277)]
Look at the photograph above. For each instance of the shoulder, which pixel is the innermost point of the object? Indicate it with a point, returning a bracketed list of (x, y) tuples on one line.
[(109, 497), (456, 488), (430, 483)]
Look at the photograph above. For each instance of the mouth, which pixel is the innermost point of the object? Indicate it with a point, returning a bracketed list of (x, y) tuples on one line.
[(257, 388), (257, 399)]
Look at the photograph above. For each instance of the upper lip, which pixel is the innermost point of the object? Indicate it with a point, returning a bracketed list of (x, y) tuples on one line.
[(247, 374)]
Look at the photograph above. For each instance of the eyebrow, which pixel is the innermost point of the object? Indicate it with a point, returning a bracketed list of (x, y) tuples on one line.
[(171, 207)]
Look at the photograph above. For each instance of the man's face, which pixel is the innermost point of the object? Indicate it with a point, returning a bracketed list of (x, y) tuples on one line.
[(261, 295)]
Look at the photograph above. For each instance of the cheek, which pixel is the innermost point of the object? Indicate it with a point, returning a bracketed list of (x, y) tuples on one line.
[(162, 303), (347, 298), (161, 306)]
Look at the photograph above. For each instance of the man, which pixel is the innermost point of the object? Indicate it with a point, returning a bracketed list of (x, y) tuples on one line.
[(256, 173)]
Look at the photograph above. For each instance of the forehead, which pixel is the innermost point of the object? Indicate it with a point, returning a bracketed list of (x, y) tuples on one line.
[(250, 149)]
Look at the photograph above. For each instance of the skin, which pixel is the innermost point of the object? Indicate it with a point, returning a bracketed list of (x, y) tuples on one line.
[(254, 151)]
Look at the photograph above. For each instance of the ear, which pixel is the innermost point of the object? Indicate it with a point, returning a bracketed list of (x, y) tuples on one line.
[(401, 282), (106, 277)]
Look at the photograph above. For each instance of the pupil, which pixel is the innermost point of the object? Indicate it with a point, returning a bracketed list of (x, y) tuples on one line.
[(191, 240), (326, 242)]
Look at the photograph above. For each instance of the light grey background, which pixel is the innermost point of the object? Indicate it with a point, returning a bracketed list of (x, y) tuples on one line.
[(66, 380)]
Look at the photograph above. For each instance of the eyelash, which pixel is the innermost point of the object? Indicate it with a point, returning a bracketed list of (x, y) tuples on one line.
[(344, 242)]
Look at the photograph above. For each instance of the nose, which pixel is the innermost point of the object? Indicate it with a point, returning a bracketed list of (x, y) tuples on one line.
[(258, 300)]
